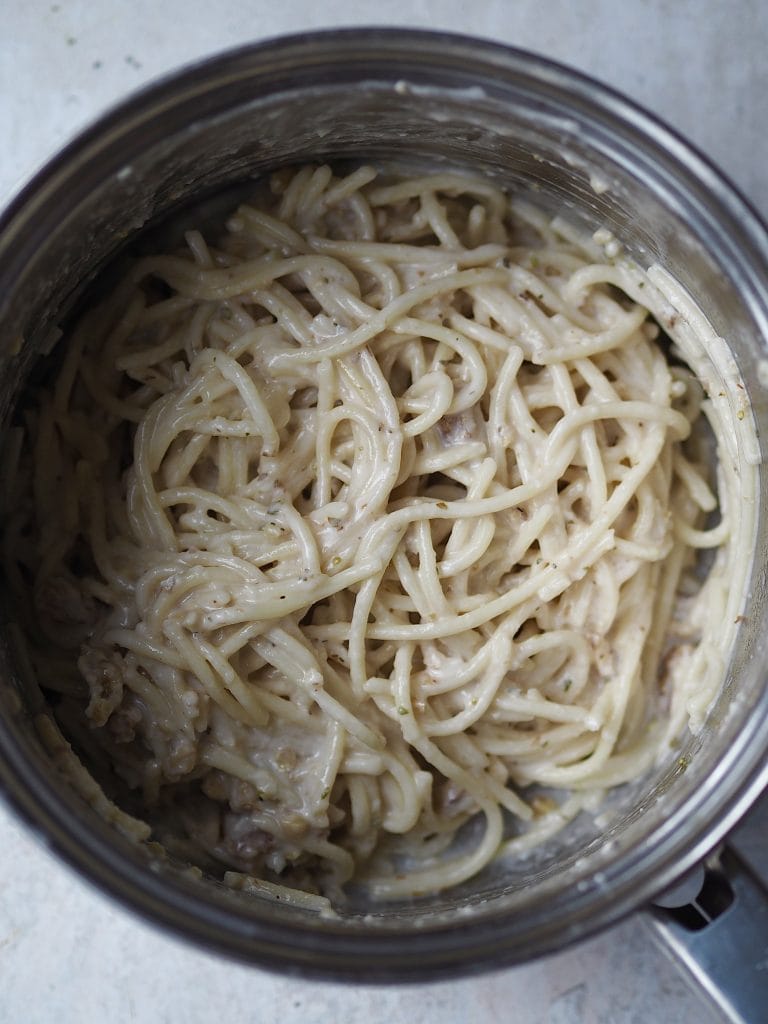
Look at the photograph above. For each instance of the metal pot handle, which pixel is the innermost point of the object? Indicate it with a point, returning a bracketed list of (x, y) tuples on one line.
[(721, 934)]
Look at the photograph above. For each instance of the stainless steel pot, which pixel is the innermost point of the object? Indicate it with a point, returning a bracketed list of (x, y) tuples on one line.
[(547, 133)]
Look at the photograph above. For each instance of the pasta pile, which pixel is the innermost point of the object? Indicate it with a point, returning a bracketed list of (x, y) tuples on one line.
[(374, 516)]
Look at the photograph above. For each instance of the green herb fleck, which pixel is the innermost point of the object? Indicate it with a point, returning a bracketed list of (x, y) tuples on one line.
[(402, 711), (568, 683)]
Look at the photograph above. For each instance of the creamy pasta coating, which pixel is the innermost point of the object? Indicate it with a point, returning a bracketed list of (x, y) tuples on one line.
[(370, 517)]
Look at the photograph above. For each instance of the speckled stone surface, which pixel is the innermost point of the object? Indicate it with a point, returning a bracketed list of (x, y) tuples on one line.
[(67, 955)]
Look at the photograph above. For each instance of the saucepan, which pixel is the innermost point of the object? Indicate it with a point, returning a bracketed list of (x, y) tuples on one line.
[(568, 144)]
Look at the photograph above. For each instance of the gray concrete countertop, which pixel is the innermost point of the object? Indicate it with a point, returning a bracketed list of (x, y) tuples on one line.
[(66, 953)]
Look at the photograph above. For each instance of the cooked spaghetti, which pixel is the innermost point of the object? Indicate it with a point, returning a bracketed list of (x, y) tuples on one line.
[(376, 513)]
